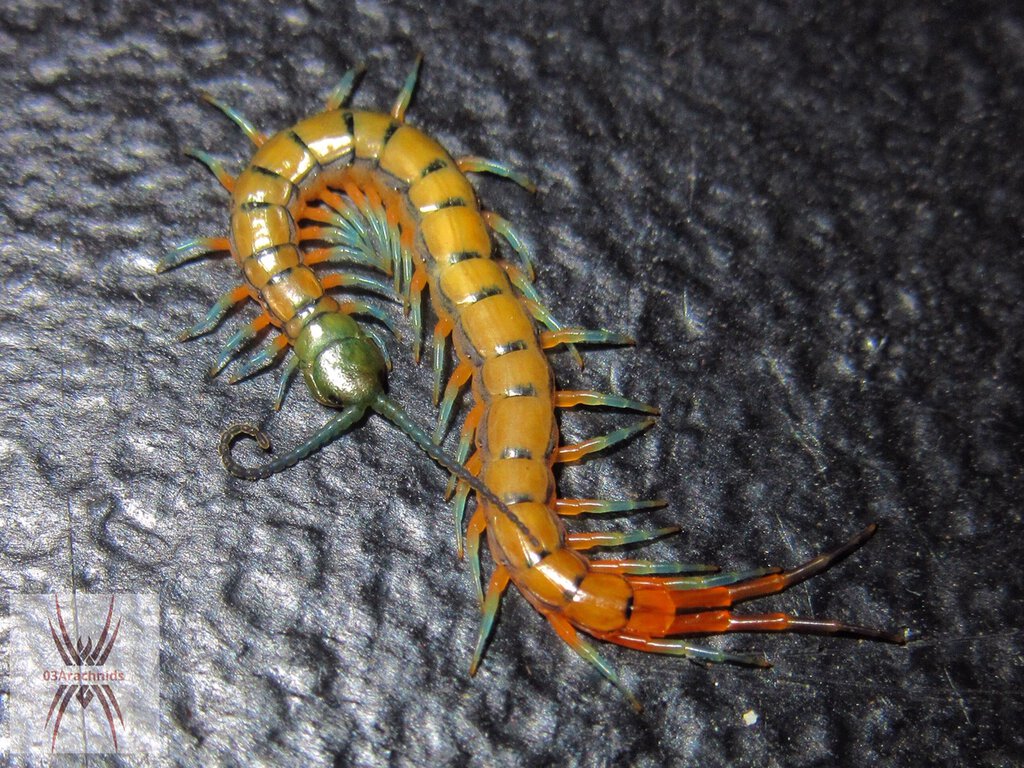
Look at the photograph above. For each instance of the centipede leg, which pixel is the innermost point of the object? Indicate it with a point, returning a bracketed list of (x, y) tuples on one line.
[(405, 95), (705, 612), (378, 339), (705, 582), (458, 515), (362, 308), (341, 92), (462, 373), (646, 567), (442, 331), (595, 539), (477, 525), (216, 313), (360, 255), (475, 164), (572, 398), (540, 313), (352, 280), (695, 653), (465, 444), (568, 454), (495, 589), (588, 653), (415, 294), (573, 507), (215, 167), (348, 228), (459, 504), (719, 622), (265, 358), (238, 340), (552, 339), (286, 377), (502, 227), (194, 249), (236, 117)]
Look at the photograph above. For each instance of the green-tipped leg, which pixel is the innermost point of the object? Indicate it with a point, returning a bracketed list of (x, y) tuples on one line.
[(572, 507), (459, 514), (572, 398), (461, 453), (551, 339), (341, 92), (378, 339), (646, 567), (477, 525), (214, 166), (495, 589), (542, 315), (405, 95), (460, 376), (567, 454), (216, 313), (236, 343), (351, 280), (695, 653), (440, 343), (236, 117), (474, 164), (286, 378), (265, 358), (718, 580), (593, 539), (589, 653), (508, 233), (362, 308), (192, 250)]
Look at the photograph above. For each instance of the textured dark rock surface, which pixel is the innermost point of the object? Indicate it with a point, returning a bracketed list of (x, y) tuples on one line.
[(811, 222)]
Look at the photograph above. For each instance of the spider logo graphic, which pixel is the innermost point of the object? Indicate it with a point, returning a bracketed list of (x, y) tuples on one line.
[(84, 690)]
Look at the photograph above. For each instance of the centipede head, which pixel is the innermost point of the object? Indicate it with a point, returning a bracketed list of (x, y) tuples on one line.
[(341, 364), (349, 372)]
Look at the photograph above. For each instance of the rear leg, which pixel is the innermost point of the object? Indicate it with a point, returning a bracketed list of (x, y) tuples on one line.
[(586, 650), (705, 611)]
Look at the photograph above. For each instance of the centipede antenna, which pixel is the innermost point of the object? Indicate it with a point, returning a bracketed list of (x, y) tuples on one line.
[(394, 413), (324, 436)]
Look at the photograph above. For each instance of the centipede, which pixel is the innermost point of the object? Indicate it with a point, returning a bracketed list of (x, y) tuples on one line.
[(349, 202)]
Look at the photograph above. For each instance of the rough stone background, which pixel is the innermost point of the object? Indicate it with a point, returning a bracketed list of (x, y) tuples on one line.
[(811, 220)]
